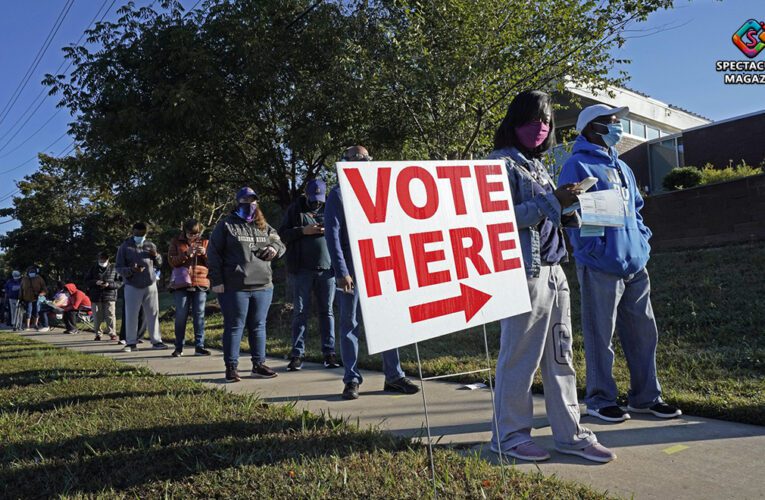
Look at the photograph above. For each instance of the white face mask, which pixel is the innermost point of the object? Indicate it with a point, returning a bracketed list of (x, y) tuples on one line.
[(103, 263)]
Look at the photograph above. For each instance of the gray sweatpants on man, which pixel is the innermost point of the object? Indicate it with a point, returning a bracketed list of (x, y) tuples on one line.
[(135, 299), (539, 339), (623, 303)]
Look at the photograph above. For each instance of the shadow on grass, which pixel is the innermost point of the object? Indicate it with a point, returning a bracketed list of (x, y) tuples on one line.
[(77, 399), (125, 459), (42, 376)]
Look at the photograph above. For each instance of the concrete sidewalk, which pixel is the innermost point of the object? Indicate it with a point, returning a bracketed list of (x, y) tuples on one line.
[(689, 457)]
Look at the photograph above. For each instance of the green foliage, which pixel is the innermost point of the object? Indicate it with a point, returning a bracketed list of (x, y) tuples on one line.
[(64, 221), (83, 426), (682, 178), (711, 175), (175, 111)]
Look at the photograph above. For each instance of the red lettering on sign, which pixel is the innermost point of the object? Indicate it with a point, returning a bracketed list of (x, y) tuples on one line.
[(373, 265), (464, 253), (375, 211), (455, 176), (422, 258), (485, 188), (498, 246), (405, 178)]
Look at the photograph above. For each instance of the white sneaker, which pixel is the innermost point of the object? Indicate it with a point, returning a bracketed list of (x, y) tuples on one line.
[(122, 342), (129, 348), (45, 329)]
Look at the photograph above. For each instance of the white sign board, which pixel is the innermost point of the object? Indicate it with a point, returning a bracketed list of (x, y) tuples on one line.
[(435, 247)]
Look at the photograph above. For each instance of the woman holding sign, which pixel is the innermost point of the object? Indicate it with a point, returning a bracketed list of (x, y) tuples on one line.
[(540, 338)]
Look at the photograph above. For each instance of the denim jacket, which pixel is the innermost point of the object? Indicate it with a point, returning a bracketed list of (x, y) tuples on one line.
[(530, 208)]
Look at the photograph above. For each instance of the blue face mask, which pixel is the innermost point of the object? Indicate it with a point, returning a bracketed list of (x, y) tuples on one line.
[(614, 135), (32, 275), (247, 211), (139, 240)]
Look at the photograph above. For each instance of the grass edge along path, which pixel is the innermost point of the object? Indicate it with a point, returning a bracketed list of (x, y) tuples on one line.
[(75, 425)]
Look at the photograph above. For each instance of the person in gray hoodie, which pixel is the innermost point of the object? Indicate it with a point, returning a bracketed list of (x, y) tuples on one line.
[(239, 257), (137, 260)]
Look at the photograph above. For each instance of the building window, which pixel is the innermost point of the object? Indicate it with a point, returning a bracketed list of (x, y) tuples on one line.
[(651, 133), (638, 129)]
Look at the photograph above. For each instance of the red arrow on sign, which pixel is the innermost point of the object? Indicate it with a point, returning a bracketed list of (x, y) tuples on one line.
[(470, 300)]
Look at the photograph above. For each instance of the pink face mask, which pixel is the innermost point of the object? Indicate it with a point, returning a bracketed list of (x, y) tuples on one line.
[(531, 135)]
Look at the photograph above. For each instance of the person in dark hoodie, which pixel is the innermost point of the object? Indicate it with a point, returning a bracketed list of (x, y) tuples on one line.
[(239, 257), (339, 247), (77, 301), (103, 282), (137, 260), (613, 279), (310, 269)]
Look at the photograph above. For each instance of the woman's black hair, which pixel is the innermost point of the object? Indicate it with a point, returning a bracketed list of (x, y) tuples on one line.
[(526, 106)]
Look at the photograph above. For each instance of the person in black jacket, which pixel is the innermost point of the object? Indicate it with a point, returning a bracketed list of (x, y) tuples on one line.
[(310, 270), (239, 257), (102, 283)]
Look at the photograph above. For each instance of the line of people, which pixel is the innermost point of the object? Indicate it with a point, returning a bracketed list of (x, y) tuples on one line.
[(236, 265)]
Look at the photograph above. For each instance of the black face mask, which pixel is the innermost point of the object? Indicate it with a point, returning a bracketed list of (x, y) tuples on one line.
[(314, 205)]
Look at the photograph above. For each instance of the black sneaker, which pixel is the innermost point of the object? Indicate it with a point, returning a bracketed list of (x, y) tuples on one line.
[(402, 385), (201, 351), (232, 375), (295, 364), (351, 391), (260, 370), (130, 348), (159, 346), (177, 353), (330, 361), (661, 410), (609, 413), (98, 337)]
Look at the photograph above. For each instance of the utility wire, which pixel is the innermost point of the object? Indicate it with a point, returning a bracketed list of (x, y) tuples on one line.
[(36, 62), (35, 156), (43, 95)]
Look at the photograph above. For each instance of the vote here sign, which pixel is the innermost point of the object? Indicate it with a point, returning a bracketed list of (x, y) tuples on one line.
[(435, 247)]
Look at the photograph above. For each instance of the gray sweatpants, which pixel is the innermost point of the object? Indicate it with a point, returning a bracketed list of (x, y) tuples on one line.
[(539, 339), (104, 312), (610, 302), (135, 299)]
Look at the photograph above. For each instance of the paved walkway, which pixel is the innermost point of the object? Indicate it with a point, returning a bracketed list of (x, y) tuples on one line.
[(689, 457)]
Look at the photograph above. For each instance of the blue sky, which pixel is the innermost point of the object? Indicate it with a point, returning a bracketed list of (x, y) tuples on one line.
[(673, 65)]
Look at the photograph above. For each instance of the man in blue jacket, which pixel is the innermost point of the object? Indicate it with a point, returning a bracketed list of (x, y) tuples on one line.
[(348, 297), (614, 282)]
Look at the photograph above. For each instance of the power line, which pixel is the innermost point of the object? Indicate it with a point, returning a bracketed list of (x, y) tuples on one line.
[(9, 195), (35, 156), (42, 96), (36, 62), (31, 136)]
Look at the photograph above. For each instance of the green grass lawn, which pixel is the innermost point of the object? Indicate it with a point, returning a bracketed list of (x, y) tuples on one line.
[(80, 426), (711, 355)]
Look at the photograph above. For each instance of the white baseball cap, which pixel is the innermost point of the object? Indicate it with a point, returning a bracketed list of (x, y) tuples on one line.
[(591, 112)]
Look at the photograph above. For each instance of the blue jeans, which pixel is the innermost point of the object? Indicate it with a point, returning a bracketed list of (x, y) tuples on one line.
[(321, 283), (186, 299), (609, 302), (245, 309), (33, 310), (349, 342)]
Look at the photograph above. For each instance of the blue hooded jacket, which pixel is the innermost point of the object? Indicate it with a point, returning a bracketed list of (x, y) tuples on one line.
[(621, 251)]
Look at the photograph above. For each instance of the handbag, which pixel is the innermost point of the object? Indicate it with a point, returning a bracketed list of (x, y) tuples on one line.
[(180, 278)]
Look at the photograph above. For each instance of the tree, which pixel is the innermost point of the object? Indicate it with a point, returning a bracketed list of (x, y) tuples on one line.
[(64, 223), (454, 65), (175, 111)]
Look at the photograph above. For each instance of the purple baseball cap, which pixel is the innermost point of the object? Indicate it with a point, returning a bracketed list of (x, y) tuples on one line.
[(244, 193), (316, 190)]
